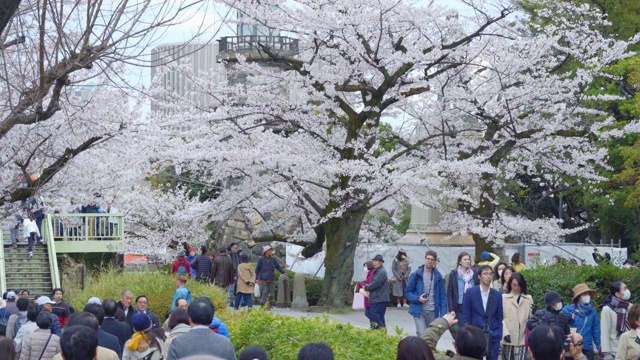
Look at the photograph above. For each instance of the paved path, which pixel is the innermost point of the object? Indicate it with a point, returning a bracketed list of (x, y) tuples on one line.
[(395, 318)]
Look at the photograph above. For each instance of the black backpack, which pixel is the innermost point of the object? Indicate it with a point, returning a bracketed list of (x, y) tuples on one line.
[(4, 319)]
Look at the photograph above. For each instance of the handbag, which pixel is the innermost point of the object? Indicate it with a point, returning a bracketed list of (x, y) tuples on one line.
[(358, 301), (256, 290), (488, 350)]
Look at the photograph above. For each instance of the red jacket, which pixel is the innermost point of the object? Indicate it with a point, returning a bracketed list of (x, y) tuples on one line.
[(181, 261), (361, 284)]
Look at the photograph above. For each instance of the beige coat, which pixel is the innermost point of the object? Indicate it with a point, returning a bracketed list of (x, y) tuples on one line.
[(103, 354), (246, 273), (515, 318), (628, 349), (34, 345), (608, 333)]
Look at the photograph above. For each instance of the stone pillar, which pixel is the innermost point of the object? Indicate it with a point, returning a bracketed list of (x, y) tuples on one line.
[(284, 295), (299, 293)]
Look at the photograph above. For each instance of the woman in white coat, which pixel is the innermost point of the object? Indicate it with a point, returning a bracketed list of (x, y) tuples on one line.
[(613, 318), (516, 304)]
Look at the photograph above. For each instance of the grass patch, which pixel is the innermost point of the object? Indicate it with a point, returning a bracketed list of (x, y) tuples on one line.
[(158, 286)]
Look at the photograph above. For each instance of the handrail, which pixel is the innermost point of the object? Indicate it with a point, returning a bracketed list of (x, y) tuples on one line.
[(87, 226), (47, 229), (3, 274)]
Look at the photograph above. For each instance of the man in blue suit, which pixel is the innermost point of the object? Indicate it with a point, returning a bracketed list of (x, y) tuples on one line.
[(482, 307)]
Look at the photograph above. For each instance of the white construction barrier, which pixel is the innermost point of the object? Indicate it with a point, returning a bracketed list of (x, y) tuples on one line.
[(532, 254)]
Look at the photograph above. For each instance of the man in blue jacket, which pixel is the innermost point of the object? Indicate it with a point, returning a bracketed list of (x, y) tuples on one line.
[(482, 307), (426, 293), (378, 290), (265, 274)]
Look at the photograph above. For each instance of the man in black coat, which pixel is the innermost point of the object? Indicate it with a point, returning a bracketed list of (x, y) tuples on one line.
[(126, 299), (378, 294), (105, 339), (113, 326)]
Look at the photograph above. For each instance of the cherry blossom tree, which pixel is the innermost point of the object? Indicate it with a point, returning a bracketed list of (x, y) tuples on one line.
[(64, 85), (476, 98)]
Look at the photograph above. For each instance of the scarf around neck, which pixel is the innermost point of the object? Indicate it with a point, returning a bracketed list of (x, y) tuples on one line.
[(620, 307), (466, 276)]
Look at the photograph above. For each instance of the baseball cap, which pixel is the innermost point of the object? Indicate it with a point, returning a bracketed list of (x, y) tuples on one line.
[(44, 300), (11, 295)]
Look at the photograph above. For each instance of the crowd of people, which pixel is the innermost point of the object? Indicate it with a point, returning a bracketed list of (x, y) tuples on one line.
[(230, 270), (44, 328), (488, 310)]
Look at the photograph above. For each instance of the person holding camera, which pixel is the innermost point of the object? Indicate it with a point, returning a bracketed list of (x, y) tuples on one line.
[(426, 293), (573, 346)]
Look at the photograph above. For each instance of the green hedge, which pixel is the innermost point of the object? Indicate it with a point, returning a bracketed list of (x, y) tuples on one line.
[(562, 278), (283, 336), (158, 286)]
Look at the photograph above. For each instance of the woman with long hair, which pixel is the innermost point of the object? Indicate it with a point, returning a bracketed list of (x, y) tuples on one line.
[(497, 276), (460, 279), (401, 270), (7, 349), (507, 273), (516, 262), (613, 318), (516, 305)]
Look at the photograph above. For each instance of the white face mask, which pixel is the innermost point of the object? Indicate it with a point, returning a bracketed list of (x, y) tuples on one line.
[(627, 295), (499, 273), (366, 269), (585, 299), (558, 306), (403, 257)]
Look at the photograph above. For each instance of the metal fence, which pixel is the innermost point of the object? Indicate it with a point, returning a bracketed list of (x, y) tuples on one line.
[(81, 227)]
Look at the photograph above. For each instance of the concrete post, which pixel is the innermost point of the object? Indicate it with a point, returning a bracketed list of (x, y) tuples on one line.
[(284, 296), (299, 293)]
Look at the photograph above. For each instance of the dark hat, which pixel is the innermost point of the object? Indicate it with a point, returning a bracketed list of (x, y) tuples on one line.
[(244, 258), (180, 253), (551, 298), (484, 255), (378, 257), (141, 322), (203, 248)]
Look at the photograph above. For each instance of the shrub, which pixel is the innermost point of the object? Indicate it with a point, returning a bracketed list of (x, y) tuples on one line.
[(159, 288), (562, 278), (283, 336)]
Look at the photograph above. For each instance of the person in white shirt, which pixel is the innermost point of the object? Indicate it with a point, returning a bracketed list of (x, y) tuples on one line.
[(30, 232)]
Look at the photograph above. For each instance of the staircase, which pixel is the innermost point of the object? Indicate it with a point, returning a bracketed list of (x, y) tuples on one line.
[(23, 273)]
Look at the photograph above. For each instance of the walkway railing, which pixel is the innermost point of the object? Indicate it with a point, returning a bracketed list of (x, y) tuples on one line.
[(83, 227), (47, 233)]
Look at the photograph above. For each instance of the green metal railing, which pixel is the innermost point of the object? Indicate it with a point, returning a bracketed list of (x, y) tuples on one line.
[(86, 233), (47, 233), (87, 227)]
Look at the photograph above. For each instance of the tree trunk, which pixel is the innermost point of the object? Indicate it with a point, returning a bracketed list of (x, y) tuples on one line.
[(342, 238), (481, 245)]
